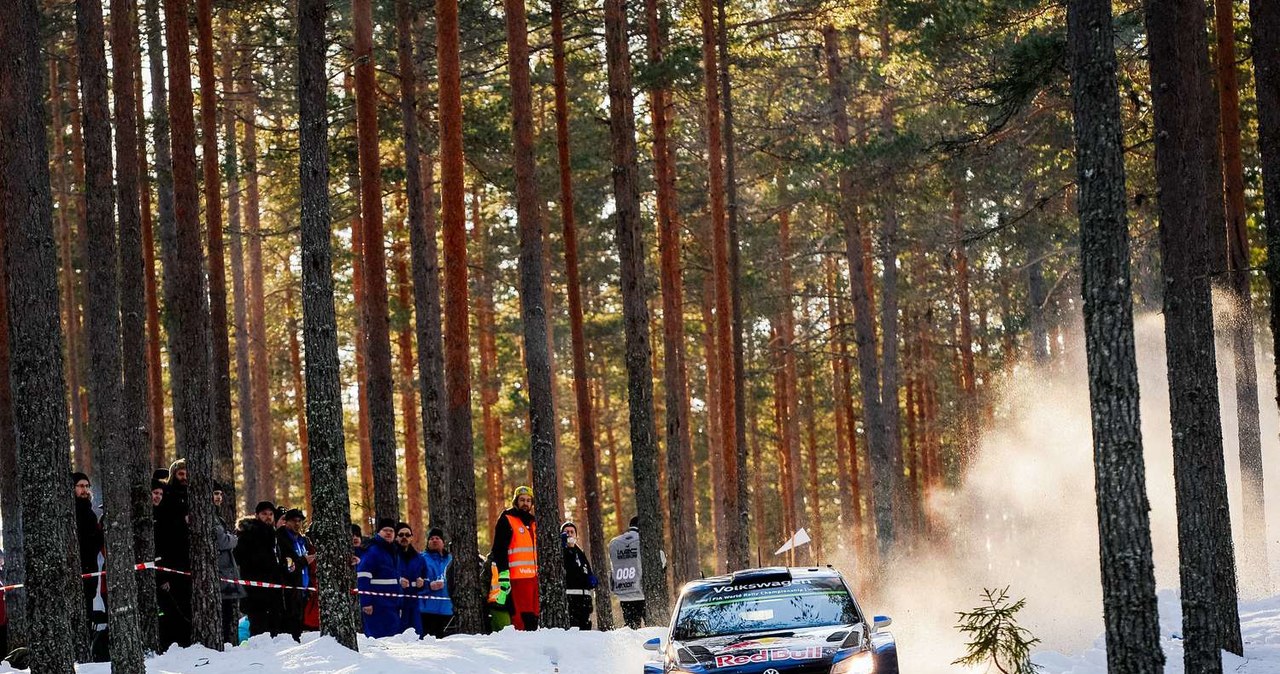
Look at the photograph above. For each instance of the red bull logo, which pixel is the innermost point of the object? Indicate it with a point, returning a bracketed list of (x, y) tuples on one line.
[(769, 655)]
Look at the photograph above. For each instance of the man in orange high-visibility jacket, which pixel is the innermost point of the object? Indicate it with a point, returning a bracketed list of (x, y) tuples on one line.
[(515, 552)]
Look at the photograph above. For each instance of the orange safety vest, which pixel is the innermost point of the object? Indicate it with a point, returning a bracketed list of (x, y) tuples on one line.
[(494, 589), (522, 554)]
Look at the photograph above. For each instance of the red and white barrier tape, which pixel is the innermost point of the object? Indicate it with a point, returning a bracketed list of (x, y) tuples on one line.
[(247, 583)]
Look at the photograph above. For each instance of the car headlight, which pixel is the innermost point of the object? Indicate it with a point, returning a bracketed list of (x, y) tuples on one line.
[(858, 663)]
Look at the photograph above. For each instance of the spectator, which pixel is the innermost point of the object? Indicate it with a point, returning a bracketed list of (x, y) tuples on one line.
[(157, 492), (358, 545), (225, 543), (295, 561), (379, 573), (173, 551), (624, 557), (579, 581), (91, 540), (436, 605), (515, 552), (413, 577), (259, 558)]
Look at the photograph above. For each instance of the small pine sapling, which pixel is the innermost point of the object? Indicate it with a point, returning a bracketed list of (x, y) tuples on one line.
[(994, 636)]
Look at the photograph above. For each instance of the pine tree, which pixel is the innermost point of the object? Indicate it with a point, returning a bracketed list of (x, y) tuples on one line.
[(457, 431), (629, 231), (1265, 30), (1124, 527), (331, 520), (39, 392)]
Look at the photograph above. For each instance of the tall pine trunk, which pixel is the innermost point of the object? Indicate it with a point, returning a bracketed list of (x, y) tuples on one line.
[(789, 380), (629, 230), (164, 213), (299, 395), (35, 346), (142, 356), (1255, 569), (75, 251), (879, 451), (331, 519), (533, 316), (721, 271), (490, 423), (1124, 527), (240, 309), (220, 378), (259, 361), (190, 340), (426, 275), (590, 487), (1180, 92), (10, 485), (457, 431), (382, 419), (675, 372), (413, 454), (1265, 31)]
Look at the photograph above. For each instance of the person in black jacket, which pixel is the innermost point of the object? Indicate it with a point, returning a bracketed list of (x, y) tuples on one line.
[(173, 551), (91, 540), (258, 554), (579, 581), (295, 564)]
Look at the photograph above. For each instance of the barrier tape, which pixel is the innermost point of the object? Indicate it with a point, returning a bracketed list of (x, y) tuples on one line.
[(247, 583)]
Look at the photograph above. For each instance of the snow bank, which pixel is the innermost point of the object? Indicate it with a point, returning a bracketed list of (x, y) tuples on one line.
[(509, 652), (1259, 623)]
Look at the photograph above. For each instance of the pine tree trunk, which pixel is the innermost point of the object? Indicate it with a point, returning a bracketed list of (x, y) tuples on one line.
[(67, 280), (139, 268), (534, 318), (1255, 568), (1265, 31), (854, 467), (35, 341), (629, 231), (968, 380), (330, 526), (224, 462), (75, 251), (814, 497), (1037, 297), (10, 484), (738, 544), (590, 486), (164, 211), (1128, 578), (426, 278), (880, 450), (715, 456), (362, 365), (721, 270), (382, 420), (102, 328), (413, 455), (790, 420), (240, 311), (606, 415), (490, 424), (259, 361), (684, 544), (1180, 86), (190, 341), (299, 395), (839, 395), (134, 429), (457, 431)]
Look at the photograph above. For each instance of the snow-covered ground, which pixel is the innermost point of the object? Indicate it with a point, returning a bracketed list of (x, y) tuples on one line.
[(618, 652)]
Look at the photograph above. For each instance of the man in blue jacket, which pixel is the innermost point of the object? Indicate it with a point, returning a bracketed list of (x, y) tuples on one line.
[(413, 574), (436, 605), (379, 571)]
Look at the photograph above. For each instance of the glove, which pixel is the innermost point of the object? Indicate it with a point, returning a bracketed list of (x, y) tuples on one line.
[(504, 587), (593, 581)]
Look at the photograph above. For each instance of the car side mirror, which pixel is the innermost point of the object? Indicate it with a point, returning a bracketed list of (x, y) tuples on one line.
[(880, 622), (654, 644)]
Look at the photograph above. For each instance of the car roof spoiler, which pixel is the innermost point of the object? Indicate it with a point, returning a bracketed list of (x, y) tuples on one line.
[(765, 575)]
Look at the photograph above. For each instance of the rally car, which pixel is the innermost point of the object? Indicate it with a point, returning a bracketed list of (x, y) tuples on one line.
[(773, 621)]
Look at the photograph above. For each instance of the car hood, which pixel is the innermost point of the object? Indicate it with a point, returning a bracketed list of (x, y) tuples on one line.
[(784, 651)]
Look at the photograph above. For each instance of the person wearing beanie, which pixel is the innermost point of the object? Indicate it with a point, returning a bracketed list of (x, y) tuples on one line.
[(173, 551), (295, 563), (515, 551), (91, 539), (379, 573), (357, 544), (258, 553), (579, 581), (436, 604)]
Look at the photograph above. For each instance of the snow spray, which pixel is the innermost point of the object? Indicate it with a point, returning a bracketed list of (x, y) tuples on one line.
[(1024, 514)]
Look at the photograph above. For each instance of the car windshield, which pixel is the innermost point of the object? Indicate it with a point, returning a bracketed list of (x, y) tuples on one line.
[(763, 607)]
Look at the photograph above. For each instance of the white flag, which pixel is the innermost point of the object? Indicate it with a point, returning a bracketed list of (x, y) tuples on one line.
[(797, 539)]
